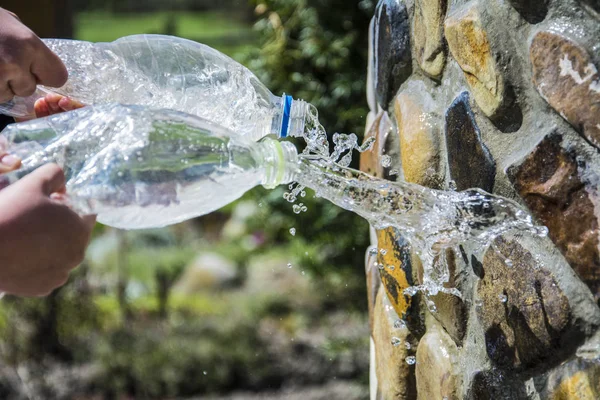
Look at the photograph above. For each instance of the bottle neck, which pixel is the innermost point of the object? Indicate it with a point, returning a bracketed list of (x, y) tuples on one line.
[(280, 161), (289, 118)]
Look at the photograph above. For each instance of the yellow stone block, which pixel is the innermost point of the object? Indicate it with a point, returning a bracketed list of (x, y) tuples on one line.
[(420, 148), (470, 47)]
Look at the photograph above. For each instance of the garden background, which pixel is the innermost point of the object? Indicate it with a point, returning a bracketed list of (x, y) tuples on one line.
[(230, 305)]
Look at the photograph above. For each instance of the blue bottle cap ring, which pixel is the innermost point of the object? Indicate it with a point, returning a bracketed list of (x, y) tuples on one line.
[(285, 120)]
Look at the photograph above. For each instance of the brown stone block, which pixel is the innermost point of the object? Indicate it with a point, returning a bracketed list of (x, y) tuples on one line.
[(549, 181), (524, 313), (566, 77)]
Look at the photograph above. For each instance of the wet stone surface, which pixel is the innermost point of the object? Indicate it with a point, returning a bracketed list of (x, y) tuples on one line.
[(532, 11), (594, 6), (395, 270), (578, 379), (549, 181), (471, 164), (395, 376), (495, 385), (428, 36), (420, 142), (470, 47), (370, 160), (501, 75), (391, 49), (437, 366), (451, 310), (566, 77), (373, 280), (523, 311)]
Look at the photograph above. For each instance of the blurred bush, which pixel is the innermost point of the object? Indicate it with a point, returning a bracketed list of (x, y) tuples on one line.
[(317, 50), (132, 321)]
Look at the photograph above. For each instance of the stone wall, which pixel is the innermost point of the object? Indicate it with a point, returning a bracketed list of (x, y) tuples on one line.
[(503, 95)]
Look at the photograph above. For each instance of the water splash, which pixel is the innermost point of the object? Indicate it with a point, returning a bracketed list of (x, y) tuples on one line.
[(317, 144), (431, 220)]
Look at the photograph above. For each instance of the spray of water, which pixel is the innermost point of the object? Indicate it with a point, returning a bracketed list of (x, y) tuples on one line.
[(431, 220)]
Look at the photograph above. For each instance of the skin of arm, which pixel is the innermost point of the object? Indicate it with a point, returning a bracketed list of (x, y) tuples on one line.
[(41, 238), (25, 61)]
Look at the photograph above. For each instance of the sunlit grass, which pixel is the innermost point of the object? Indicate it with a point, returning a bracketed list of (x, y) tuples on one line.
[(218, 30)]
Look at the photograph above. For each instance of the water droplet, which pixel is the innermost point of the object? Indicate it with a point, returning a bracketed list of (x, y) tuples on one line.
[(297, 209), (399, 324), (289, 265), (431, 306), (120, 174), (373, 251), (383, 252), (205, 373), (411, 360), (503, 298), (380, 266), (293, 231), (386, 161), (508, 262), (302, 193), (396, 341), (411, 291), (391, 267), (407, 345)]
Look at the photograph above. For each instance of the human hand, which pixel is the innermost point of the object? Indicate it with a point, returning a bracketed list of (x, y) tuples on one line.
[(41, 238), (8, 162), (53, 104), (25, 61)]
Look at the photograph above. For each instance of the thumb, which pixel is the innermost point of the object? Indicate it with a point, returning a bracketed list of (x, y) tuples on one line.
[(50, 178), (48, 68)]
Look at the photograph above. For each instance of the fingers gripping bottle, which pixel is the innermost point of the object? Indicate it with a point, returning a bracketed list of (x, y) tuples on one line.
[(138, 167), (169, 72)]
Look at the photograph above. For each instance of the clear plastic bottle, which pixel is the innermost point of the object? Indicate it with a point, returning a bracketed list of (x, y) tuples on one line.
[(138, 167), (169, 72)]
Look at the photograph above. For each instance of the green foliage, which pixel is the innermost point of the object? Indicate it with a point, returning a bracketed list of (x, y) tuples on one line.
[(329, 244), (157, 361), (316, 50), (216, 29)]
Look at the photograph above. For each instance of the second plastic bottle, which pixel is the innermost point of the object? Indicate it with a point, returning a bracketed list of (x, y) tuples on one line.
[(138, 167)]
